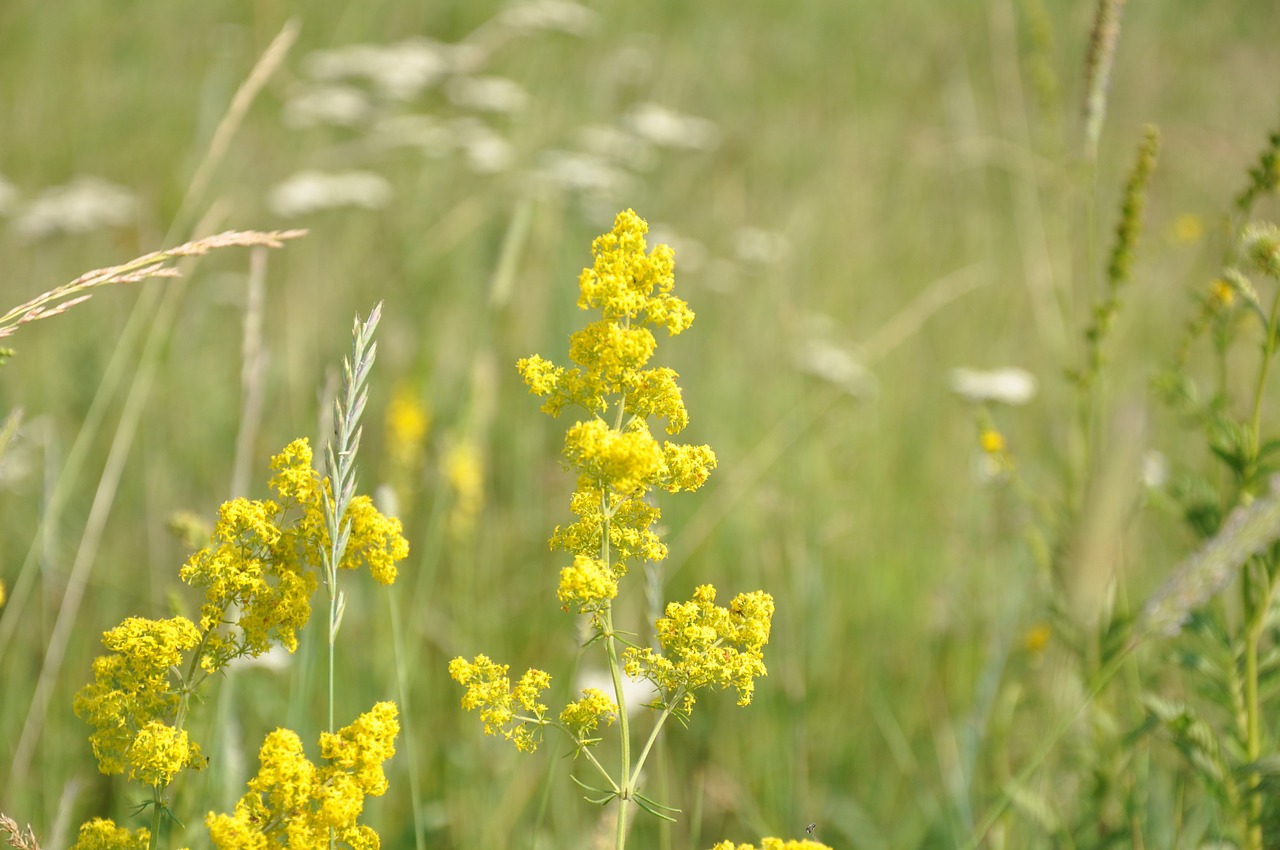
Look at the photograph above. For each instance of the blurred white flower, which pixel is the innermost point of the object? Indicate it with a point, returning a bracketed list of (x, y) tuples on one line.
[(670, 129), (487, 94), (485, 150), (559, 15), (614, 143), (276, 659), (1010, 386), (430, 135), (691, 255), (760, 247), (398, 71), (8, 197), (835, 365), (311, 191), (635, 692), (582, 172), (84, 204), (1155, 470), (335, 105)]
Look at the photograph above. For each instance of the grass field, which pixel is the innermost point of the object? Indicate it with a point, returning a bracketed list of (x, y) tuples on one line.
[(862, 197)]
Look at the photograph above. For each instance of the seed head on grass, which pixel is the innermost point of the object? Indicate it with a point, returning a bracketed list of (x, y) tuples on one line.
[(155, 264)]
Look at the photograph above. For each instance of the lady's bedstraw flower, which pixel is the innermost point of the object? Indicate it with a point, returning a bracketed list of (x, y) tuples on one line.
[(134, 695), (293, 803), (583, 717), (704, 644), (103, 834), (264, 557), (619, 463), (490, 691), (774, 844)]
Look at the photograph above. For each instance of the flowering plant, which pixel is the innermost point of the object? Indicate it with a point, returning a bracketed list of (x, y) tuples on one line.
[(619, 464)]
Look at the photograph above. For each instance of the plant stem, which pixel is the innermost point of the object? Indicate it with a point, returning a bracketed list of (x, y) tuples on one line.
[(625, 784), (157, 815)]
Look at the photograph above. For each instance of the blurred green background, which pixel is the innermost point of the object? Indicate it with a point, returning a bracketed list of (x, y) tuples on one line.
[(862, 197)]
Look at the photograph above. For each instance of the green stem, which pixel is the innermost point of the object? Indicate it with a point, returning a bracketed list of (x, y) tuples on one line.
[(1268, 351), (1252, 737), (653, 737), (626, 784), (157, 815)]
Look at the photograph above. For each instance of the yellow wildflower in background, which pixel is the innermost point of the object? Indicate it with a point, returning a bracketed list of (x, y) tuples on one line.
[(464, 471)]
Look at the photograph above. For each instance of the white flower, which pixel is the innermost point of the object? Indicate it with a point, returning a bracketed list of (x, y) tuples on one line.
[(310, 191), (558, 15), (618, 145), (485, 150), (429, 135), (8, 197), (583, 172), (760, 247), (398, 71), (835, 365), (1155, 470), (336, 105), (667, 128), (487, 94), (84, 204), (1010, 386)]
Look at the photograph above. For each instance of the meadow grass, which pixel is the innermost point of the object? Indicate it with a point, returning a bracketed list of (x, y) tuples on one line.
[(923, 163)]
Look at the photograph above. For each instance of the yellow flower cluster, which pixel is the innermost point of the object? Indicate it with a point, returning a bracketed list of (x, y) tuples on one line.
[(490, 691), (262, 561), (293, 803), (103, 834), (704, 644), (619, 463), (264, 556), (133, 688), (774, 844), (583, 717)]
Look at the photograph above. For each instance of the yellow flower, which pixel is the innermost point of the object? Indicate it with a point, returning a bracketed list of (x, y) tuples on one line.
[(587, 583), (464, 471), (489, 690), (583, 717), (774, 844), (158, 752), (1222, 293), (704, 644), (294, 803), (992, 441), (1188, 229), (1037, 638), (133, 687), (103, 834)]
